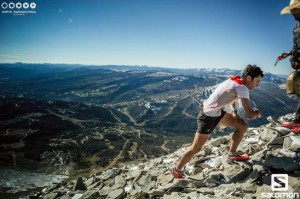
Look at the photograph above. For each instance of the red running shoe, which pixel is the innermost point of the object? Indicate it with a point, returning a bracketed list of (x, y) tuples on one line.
[(177, 174), (290, 125), (238, 157), (296, 130)]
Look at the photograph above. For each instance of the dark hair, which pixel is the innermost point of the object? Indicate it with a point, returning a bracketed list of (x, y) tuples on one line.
[(253, 71)]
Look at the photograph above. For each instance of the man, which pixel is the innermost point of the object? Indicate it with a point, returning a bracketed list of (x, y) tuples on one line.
[(294, 8), (212, 114)]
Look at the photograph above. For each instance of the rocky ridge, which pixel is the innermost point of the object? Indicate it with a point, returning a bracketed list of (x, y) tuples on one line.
[(273, 150)]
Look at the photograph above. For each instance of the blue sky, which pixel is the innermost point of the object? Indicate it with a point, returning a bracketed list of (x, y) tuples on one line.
[(167, 33)]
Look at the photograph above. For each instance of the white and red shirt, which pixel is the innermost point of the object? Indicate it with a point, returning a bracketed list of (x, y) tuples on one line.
[(225, 94)]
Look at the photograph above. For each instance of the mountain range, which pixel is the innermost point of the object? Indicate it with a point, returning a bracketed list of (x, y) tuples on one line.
[(72, 120)]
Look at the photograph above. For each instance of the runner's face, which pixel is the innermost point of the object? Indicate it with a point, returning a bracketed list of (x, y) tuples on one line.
[(296, 13), (254, 82)]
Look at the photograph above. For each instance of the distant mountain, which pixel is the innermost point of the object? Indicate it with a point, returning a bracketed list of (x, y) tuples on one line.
[(35, 69), (219, 71)]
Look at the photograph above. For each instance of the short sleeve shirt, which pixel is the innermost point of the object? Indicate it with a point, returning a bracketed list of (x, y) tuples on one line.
[(225, 94)]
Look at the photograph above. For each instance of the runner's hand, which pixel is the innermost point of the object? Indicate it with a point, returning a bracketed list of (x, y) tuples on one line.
[(259, 114)]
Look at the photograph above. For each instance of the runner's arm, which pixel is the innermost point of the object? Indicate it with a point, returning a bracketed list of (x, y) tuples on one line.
[(250, 113)]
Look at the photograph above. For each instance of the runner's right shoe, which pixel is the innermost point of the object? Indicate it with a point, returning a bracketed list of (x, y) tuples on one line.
[(290, 125), (177, 174), (238, 157)]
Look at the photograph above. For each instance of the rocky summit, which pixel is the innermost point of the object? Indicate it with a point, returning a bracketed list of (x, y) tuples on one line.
[(273, 150)]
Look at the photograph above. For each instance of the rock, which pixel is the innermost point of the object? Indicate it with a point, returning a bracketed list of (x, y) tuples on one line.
[(216, 175), (287, 153), (199, 175), (133, 173), (156, 171), (205, 151), (197, 184), (97, 185), (136, 196), (217, 142), (164, 179), (253, 176), (64, 197), (259, 156), (224, 189), (232, 189), (104, 191), (181, 183), (79, 185), (284, 163), (294, 183), (119, 182), (236, 173), (249, 196), (296, 156), (156, 192), (262, 189), (250, 149), (195, 195), (136, 188), (166, 187), (77, 196), (295, 143), (110, 174), (287, 143), (214, 162), (89, 181), (205, 191), (275, 142), (175, 195), (145, 179), (168, 161), (148, 187), (273, 121), (256, 174), (283, 131), (269, 134), (156, 161), (115, 194), (51, 195), (110, 182), (287, 118), (91, 195)]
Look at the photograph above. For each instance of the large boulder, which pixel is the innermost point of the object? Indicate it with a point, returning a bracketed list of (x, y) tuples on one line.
[(292, 143), (268, 134), (282, 163)]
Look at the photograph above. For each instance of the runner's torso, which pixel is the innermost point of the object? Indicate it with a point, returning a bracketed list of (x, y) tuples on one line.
[(225, 94)]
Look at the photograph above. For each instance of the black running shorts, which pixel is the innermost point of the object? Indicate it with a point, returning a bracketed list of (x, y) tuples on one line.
[(206, 124)]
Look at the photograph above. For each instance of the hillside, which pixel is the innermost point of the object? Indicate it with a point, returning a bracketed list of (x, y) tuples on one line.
[(70, 132), (273, 150)]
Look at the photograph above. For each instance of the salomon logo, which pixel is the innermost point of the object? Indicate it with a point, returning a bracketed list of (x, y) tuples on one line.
[(279, 182)]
